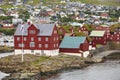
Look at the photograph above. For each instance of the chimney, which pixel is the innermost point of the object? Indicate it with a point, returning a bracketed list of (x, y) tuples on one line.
[(28, 23)]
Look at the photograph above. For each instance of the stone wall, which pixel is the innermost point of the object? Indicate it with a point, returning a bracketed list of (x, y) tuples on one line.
[(99, 49)]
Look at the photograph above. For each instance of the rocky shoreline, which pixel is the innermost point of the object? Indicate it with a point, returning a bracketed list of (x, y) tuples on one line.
[(35, 66)]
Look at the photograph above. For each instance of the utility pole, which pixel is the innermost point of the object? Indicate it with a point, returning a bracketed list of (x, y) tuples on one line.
[(22, 30)]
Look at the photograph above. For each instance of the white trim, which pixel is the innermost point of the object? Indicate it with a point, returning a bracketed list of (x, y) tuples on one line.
[(73, 54), (46, 52), (85, 54)]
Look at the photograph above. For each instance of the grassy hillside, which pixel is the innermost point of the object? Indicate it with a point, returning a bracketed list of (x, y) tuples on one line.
[(47, 2), (103, 2)]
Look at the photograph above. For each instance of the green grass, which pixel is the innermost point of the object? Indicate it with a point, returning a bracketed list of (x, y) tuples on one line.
[(6, 6), (102, 2), (39, 60)]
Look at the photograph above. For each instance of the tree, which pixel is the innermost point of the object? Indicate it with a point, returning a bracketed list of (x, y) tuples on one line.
[(24, 15)]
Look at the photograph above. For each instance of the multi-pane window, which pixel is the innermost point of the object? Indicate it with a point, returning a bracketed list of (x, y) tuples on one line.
[(46, 39), (25, 38), (57, 38), (32, 38), (32, 31), (54, 45), (54, 38), (46, 45), (57, 45), (32, 44), (18, 38), (21, 45), (39, 39), (40, 45), (55, 31)]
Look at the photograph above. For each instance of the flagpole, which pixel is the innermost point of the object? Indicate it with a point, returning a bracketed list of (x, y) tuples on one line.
[(22, 45)]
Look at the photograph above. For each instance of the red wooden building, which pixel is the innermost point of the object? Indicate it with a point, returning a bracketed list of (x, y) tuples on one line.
[(84, 30), (40, 39), (105, 28), (104, 15), (8, 26), (115, 37), (62, 32), (74, 45), (98, 37)]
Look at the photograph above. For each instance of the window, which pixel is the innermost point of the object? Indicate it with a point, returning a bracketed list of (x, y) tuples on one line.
[(54, 45), (46, 39), (32, 44), (55, 31), (32, 31), (54, 38), (32, 51), (57, 38), (40, 45), (39, 39), (18, 38), (32, 38), (46, 45), (21, 45), (25, 38)]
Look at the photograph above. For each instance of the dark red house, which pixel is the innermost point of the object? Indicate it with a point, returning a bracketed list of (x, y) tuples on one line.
[(98, 37), (115, 37), (84, 30), (8, 26), (40, 39), (105, 28), (74, 45), (104, 15)]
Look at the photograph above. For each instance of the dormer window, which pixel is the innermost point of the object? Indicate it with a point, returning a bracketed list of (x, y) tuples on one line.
[(32, 31)]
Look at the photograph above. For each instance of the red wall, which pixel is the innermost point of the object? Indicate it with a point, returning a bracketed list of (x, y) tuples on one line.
[(84, 47), (70, 50), (98, 40), (50, 41)]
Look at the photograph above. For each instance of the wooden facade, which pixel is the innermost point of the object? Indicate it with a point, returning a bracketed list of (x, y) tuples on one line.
[(37, 39)]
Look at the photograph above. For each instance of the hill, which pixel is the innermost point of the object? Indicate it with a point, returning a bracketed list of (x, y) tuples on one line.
[(102, 2)]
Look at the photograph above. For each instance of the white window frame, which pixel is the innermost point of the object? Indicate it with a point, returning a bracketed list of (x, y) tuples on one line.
[(39, 38), (18, 38), (40, 45), (32, 44), (46, 39), (32, 31), (46, 45), (55, 31), (32, 38), (25, 39), (21, 45)]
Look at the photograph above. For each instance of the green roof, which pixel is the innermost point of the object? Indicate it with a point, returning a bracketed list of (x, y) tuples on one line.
[(97, 33), (72, 42)]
